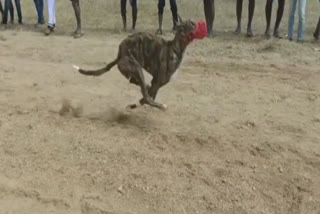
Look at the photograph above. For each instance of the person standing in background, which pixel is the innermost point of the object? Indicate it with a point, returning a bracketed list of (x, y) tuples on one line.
[(268, 9), (251, 8), (8, 7), (302, 18), (174, 10), (133, 4), (209, 12), (2, 13), (39, 8), (51, 17), (1, 10), (77, 11), (317, 31)]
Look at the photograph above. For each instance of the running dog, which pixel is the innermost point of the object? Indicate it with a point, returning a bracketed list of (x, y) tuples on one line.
[(159, 57)]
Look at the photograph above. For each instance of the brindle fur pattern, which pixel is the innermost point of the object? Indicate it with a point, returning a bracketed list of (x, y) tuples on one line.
[(157, 56)]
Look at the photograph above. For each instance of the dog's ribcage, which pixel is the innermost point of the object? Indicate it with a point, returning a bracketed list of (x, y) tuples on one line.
[(153, 53)]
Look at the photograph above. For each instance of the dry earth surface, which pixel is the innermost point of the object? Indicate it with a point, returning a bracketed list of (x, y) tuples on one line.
[(241, 134)]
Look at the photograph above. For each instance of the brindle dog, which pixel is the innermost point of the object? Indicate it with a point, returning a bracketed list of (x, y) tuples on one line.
[(158, 57)]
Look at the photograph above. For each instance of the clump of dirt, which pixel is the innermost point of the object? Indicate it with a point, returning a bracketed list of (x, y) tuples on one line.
[(68, 109)]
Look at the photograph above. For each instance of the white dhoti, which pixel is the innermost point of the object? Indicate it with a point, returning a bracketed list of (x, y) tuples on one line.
[(51, 12)]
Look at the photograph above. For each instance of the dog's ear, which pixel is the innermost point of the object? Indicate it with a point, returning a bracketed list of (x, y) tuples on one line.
[(180, 30)]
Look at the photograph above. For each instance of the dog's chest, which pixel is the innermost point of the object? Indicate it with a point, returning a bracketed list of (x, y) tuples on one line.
[(174, 64), (174, 76)]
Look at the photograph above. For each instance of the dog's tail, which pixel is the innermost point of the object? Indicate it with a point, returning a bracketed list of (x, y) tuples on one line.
[(99, 71)]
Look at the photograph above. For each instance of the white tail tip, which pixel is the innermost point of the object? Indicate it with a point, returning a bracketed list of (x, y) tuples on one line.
[(76, 67)]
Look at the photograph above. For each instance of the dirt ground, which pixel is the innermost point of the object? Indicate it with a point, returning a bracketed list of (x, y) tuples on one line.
[(241, 133)]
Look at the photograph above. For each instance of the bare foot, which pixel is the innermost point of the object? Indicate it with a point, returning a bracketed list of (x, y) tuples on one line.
[(249, 32), (210, 34), (77, 34), (238, 30), (267, 34), (132, 30), (48, 31), (276, 34)]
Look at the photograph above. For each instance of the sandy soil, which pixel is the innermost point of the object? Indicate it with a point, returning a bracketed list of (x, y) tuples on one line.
[(241, 134)]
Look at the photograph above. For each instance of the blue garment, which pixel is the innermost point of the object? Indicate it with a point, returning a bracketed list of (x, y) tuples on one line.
[(302, 18), (39, 8)]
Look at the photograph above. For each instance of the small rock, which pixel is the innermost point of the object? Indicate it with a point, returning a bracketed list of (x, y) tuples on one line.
[(253, 166), (120, 190), (250, 124), (280, 170), (22, 112)]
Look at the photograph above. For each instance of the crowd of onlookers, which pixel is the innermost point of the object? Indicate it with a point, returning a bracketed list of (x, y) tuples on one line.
[(209, 10), (8, 9)]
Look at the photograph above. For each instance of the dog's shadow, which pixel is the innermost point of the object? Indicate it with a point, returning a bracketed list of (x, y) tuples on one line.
[(127, 118), (111, 117)]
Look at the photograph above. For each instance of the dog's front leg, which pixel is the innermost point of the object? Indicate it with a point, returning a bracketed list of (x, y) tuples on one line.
[(153, 90), (149, 99)]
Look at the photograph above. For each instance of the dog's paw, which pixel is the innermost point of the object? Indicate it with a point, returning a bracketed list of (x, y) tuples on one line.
[(77, 35), (132, 106)]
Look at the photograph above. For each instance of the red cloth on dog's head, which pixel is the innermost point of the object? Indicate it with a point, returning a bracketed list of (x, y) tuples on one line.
[(199, 32)]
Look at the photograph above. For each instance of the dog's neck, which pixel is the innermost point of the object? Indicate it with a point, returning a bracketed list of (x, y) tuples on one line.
[(179, 44)]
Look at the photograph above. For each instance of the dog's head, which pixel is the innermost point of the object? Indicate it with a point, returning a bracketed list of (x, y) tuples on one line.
[(189, 30)]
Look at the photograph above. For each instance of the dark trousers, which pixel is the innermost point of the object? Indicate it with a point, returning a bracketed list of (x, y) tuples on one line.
[(133, 4), (5, 13), (1, 9), (39, 8), (268, 10), (209, 12), (9, 6), (317, 31), (174, 8)]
